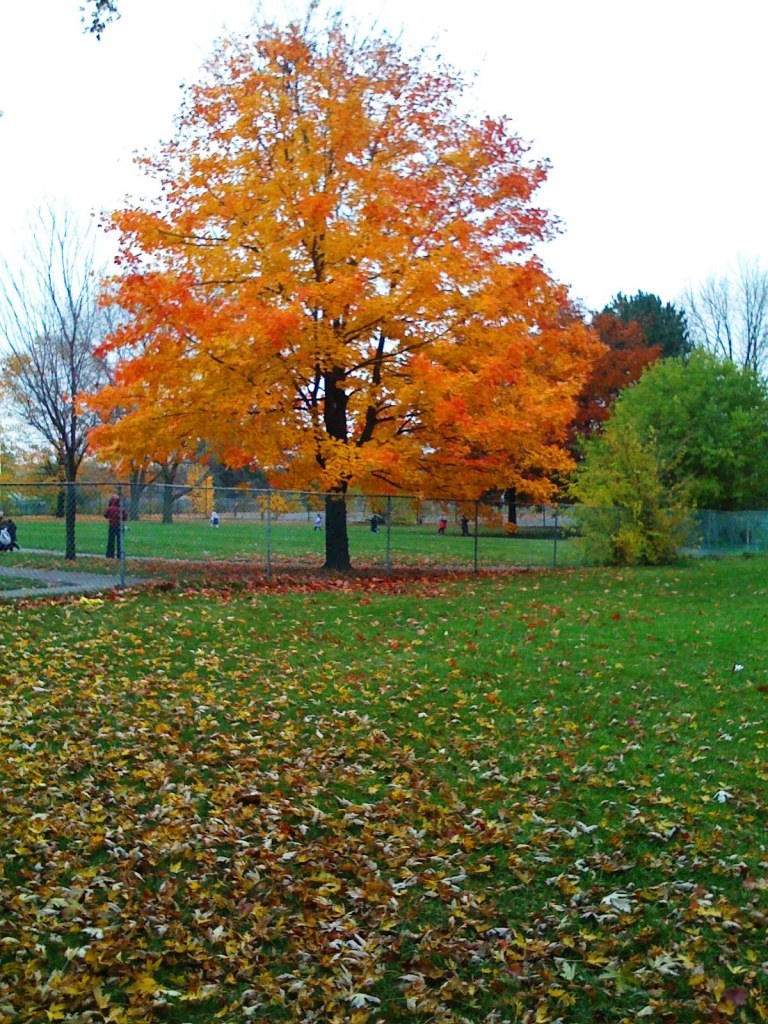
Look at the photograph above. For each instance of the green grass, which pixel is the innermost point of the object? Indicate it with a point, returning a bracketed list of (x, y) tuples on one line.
[(456, 796), (295, 542)]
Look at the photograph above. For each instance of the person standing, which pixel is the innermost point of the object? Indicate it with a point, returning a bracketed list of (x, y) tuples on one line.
[(318, 522), (464, 526), (442, 524), (115, 516)]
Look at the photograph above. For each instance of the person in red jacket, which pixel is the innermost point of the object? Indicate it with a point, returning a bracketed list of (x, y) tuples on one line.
[(115, 516)]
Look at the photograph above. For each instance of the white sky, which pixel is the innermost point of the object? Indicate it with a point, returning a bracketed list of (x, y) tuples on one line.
[(651, 114)]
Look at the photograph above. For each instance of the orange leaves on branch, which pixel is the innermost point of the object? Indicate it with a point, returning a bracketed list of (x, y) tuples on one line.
[(622, 361), (337, 280)]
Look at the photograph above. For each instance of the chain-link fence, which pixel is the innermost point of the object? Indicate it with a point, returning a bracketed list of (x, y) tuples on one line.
[(725, 533), (165, 530)]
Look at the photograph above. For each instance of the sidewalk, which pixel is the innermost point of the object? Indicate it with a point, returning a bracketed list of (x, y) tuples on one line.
[(54, 582)]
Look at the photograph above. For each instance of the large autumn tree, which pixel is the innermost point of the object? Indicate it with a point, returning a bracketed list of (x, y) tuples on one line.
[(336, 282)]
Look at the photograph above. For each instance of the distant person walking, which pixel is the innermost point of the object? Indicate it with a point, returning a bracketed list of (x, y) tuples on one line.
[(464, 526), (442, 525), (214, 518), (318, 522), (115, 517)]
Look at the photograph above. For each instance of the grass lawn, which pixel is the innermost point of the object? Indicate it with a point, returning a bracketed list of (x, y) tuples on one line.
[(533, 798), (296, 542)]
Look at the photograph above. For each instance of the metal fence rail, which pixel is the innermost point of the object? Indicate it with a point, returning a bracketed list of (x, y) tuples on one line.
[(163, 528)]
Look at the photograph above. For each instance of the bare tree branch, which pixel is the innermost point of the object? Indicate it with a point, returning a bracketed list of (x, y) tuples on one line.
[(729, 316), (97, 14), (50, 323)]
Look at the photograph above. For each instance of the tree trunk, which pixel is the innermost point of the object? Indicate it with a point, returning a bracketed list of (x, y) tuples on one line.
[(335, 419), (168, 503), (511, 505), (70, 517), (336, 536), (137, 485)]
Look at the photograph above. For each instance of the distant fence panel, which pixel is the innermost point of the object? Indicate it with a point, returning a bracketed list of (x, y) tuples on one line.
[(731, 532), (58, 519), (269, 530)]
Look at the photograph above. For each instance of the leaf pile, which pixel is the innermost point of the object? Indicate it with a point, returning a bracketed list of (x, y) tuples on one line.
[(530, 799)]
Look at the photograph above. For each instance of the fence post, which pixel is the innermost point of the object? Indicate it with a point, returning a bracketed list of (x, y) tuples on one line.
[(554, 543), (477, 505), (389, 536), (269, 535), (121, 537)]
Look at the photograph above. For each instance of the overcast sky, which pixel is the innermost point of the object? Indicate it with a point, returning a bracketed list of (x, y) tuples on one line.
[(651, 114)]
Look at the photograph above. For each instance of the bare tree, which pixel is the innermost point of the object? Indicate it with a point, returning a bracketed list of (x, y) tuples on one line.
[(51, 322), (729, 316)]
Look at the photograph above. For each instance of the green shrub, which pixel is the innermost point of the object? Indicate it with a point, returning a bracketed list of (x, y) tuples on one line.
[(630, 514)]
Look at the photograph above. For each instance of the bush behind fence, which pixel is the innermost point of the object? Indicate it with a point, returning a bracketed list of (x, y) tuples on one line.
[(272, 529)]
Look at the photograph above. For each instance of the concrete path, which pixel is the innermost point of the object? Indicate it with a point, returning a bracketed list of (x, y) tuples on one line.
[(53, 582)]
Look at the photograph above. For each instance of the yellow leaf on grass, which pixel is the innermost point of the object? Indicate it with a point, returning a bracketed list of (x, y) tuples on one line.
[(144, 984), (595, 959), (102, 1001)]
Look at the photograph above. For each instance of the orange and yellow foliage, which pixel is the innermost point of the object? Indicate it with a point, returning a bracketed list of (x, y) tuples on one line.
[(201, 494), (337, 281)]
